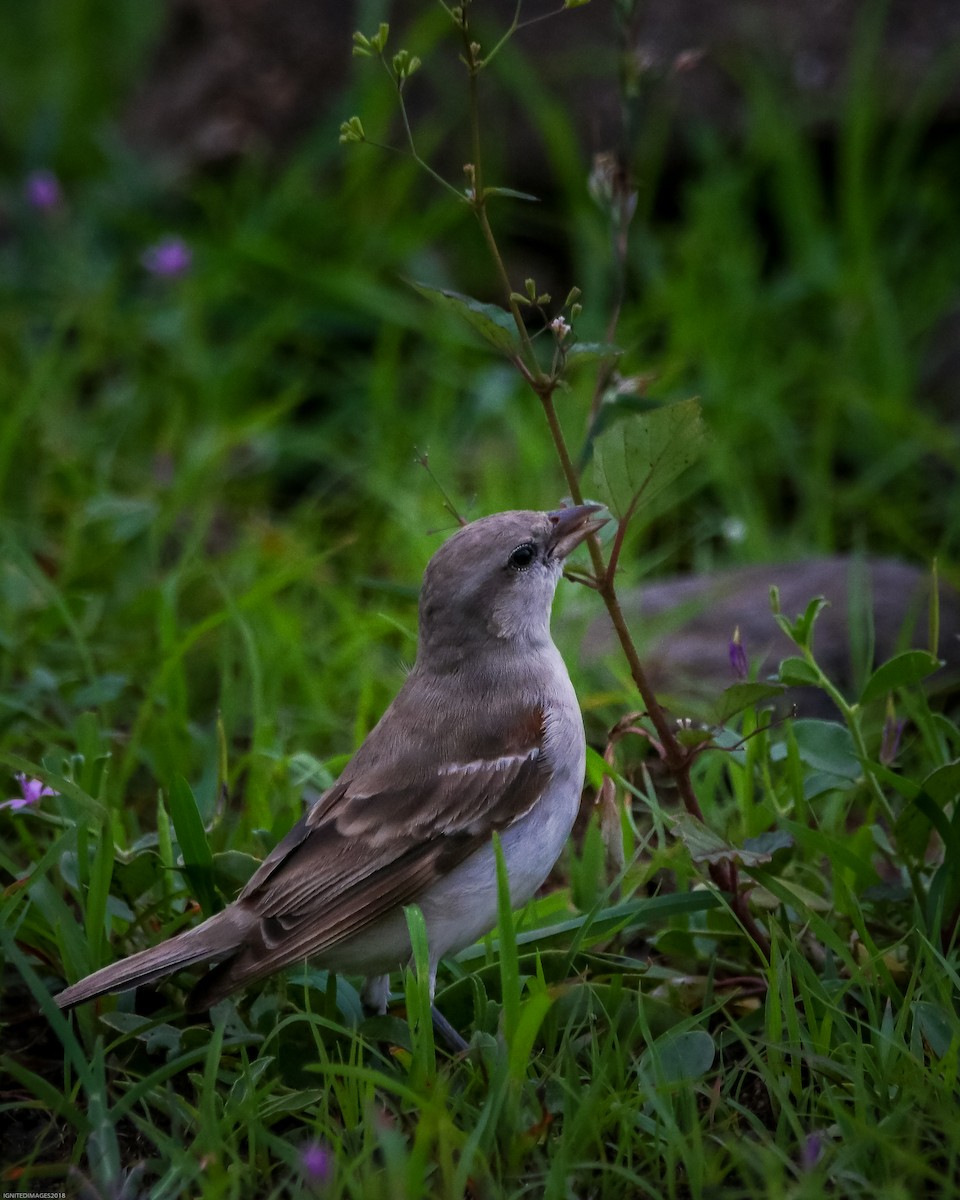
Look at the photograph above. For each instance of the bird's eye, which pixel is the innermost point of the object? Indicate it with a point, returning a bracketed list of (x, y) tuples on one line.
[(523, 556)]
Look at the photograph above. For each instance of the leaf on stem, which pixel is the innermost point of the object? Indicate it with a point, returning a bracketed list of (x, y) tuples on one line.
[(940, 788), (827, 749), (510, 193), (707, 847), (738, 696), (641, 455), (494, 324), (903, 670), (800, 631), (581, 353), (797, 672)]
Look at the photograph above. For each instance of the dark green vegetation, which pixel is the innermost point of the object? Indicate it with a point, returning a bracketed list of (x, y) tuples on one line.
[(213, 529)]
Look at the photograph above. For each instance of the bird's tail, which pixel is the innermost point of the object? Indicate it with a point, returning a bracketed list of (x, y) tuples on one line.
[(217, 937)]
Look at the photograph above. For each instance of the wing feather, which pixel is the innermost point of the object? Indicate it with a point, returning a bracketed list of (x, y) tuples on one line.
[(331, 878)]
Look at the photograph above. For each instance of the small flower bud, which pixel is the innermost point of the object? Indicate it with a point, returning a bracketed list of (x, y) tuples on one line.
[(404, 65), (560, 328), (738, 656), (352, 131)]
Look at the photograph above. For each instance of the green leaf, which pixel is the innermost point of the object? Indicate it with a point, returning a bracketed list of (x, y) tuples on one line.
[(937, 1026), (828, 747), (739, 696), (192, 839), (797, 672), (707, 847), (694, 736), (904, 670), (641, 455), (926, 809), (799, 631), (805, 624), (155, 1036), (582, 353), (507, 938), (943, 784), (598, 926), (769, 843), (775, 890), (233, 869), (98, 891), (679, 1057), (511, 193), (494, 324)]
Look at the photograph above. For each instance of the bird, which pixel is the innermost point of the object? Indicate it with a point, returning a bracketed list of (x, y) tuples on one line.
[(485, 736)]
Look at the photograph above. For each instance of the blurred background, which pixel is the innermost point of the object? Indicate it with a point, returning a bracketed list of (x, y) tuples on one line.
[(215, 379)]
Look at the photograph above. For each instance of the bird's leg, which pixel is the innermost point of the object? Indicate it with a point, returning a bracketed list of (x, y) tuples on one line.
[(445, 1032), (376, 993)]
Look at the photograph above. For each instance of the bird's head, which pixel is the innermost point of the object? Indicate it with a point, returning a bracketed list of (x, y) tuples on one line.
[(494, 580)]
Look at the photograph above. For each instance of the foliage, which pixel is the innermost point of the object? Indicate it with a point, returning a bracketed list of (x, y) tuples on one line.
[(213, 527)]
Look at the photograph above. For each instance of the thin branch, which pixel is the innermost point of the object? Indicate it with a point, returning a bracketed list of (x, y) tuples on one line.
[(677, 758)]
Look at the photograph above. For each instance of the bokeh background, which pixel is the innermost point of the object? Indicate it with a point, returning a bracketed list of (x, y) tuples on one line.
[(215, 378), (217, 390)]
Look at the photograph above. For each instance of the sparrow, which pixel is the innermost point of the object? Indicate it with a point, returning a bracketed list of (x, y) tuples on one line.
[(485, 736)]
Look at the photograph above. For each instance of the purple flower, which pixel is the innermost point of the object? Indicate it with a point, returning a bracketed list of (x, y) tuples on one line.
[(890, 739), (811, 1152), (738, 656), (316, 1163), (32, 790), (169, 258), (42, 191)]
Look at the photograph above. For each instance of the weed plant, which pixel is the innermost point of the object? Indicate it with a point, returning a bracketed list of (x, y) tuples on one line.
[(214, 518)]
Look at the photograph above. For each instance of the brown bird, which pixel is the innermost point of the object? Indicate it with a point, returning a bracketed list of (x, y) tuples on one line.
[(484, 736)]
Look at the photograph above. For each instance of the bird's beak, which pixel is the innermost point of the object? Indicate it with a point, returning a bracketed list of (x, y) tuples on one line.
[(570, 526)]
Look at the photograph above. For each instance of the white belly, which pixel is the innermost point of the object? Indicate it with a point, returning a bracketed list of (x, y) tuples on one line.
[(462, 907)]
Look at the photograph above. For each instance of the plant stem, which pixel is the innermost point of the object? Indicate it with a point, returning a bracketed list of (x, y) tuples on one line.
[(677, 758)]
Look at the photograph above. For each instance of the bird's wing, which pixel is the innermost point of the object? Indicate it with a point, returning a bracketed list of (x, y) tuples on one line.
[(376, 841)]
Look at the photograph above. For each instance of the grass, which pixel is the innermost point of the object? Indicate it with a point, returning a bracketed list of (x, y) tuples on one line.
[(213, 529)]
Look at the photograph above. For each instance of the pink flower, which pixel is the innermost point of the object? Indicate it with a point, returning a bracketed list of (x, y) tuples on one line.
[(169, 258), (32, 790), (316, 1163), (42, 191)]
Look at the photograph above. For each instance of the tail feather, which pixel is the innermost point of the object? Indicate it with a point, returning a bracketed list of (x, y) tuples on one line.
[(217, 937)]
